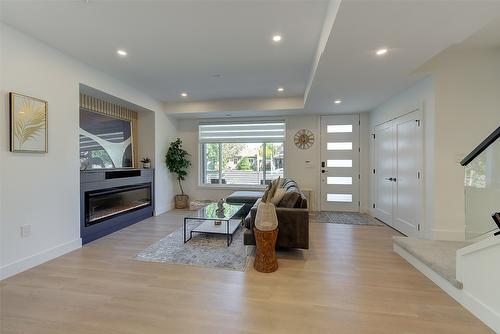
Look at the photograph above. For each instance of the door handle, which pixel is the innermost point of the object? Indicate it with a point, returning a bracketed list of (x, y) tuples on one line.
[(323, 171), (389, 179)]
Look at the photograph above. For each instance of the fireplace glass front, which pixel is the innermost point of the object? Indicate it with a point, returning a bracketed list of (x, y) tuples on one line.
[(104, 204)]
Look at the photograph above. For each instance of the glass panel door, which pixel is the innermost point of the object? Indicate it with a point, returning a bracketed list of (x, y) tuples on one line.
[(340, 163)]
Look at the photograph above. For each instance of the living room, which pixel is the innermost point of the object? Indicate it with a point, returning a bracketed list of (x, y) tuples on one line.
[(340, 161)]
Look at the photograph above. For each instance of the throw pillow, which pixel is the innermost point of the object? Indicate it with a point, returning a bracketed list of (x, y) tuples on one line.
[(269, 194), (278, 196), (289, 199)]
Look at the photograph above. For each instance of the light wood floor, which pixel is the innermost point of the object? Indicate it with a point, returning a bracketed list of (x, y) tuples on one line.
[(350, 281)]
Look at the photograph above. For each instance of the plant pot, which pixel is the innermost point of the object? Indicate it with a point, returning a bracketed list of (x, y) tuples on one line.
[(146, 165), (181, 201)]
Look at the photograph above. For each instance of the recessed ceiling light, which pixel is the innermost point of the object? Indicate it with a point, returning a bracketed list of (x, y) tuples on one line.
[(184, 94), (337, 101), (381, 52), (277, 38), (121, 52), (280, 89)]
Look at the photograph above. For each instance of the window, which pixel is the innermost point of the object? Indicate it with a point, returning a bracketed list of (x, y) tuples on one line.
[(339, 146), (241, 153)]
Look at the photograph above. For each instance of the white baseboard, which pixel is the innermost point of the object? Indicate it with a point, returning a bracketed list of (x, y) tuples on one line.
[(28, 262), (488, 316)]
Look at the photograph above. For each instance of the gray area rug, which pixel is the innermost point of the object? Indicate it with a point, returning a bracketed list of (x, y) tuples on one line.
[(340, 217), (206, 250)]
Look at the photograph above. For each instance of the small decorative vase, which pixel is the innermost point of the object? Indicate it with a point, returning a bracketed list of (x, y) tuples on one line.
[(146, 165), (265, 254), (266, 218)]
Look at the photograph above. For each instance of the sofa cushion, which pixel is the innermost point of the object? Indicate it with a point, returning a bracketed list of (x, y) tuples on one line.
[(248, 221), (290, 199), (249, 197)]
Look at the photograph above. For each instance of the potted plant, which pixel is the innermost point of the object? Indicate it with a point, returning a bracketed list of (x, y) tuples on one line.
[(146, 163), (178, 163)]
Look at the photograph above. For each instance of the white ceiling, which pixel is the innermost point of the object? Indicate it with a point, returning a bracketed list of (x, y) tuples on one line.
[(413, 31), (182, 45)]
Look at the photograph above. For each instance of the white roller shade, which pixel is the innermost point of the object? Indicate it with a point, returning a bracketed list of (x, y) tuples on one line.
[(242, 132)]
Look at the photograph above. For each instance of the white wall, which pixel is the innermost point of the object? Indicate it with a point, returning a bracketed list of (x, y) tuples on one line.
[(295, 166), (418, 96), (467, 111), (43, 189), (307, 175), (165, 132), (461, 104)]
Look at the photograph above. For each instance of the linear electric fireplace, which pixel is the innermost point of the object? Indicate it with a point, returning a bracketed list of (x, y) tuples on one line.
[(103, 204), (112, 200)]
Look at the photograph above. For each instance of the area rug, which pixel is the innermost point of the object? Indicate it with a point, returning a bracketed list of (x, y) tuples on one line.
[(206, 250), (340, 217)]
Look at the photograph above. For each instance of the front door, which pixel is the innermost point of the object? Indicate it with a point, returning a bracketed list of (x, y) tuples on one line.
[(340, 163)]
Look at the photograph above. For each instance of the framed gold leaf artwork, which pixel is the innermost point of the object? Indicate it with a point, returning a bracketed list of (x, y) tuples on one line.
[(28, 124)]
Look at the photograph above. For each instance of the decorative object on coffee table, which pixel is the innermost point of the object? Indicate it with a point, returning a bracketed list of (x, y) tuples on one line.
[(220, 211), (146, 163), (178, 163), (265, 254)]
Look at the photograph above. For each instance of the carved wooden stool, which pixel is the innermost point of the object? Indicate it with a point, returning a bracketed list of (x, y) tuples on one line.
[(265, 255)]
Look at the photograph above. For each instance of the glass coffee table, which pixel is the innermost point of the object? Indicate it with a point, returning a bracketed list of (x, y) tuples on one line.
[(208, 221)]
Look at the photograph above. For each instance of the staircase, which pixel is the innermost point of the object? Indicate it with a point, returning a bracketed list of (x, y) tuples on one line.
[(469, 271), (439, 256)]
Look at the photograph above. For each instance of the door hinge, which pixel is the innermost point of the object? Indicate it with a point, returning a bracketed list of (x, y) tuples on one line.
[(359, 203), (418, 175), (418, 227), (359, 176), (359, 122), (373, 205), (359, 149), (373, 170), (418, 122), (373, 135)]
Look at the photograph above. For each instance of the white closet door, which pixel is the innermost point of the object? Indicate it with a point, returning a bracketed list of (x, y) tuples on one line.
[(397, 159), (407, 197), (383, 172)]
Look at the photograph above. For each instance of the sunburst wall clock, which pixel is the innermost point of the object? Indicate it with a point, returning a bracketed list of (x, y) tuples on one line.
[(304, 139)]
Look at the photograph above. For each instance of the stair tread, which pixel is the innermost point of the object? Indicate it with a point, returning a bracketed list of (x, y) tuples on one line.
[(438, 255)]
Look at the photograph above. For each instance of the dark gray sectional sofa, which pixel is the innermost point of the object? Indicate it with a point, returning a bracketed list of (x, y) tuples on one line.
[(292, 212)]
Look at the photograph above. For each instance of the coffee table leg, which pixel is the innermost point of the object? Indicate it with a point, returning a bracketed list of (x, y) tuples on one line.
[(185, 227), (185, 230)]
